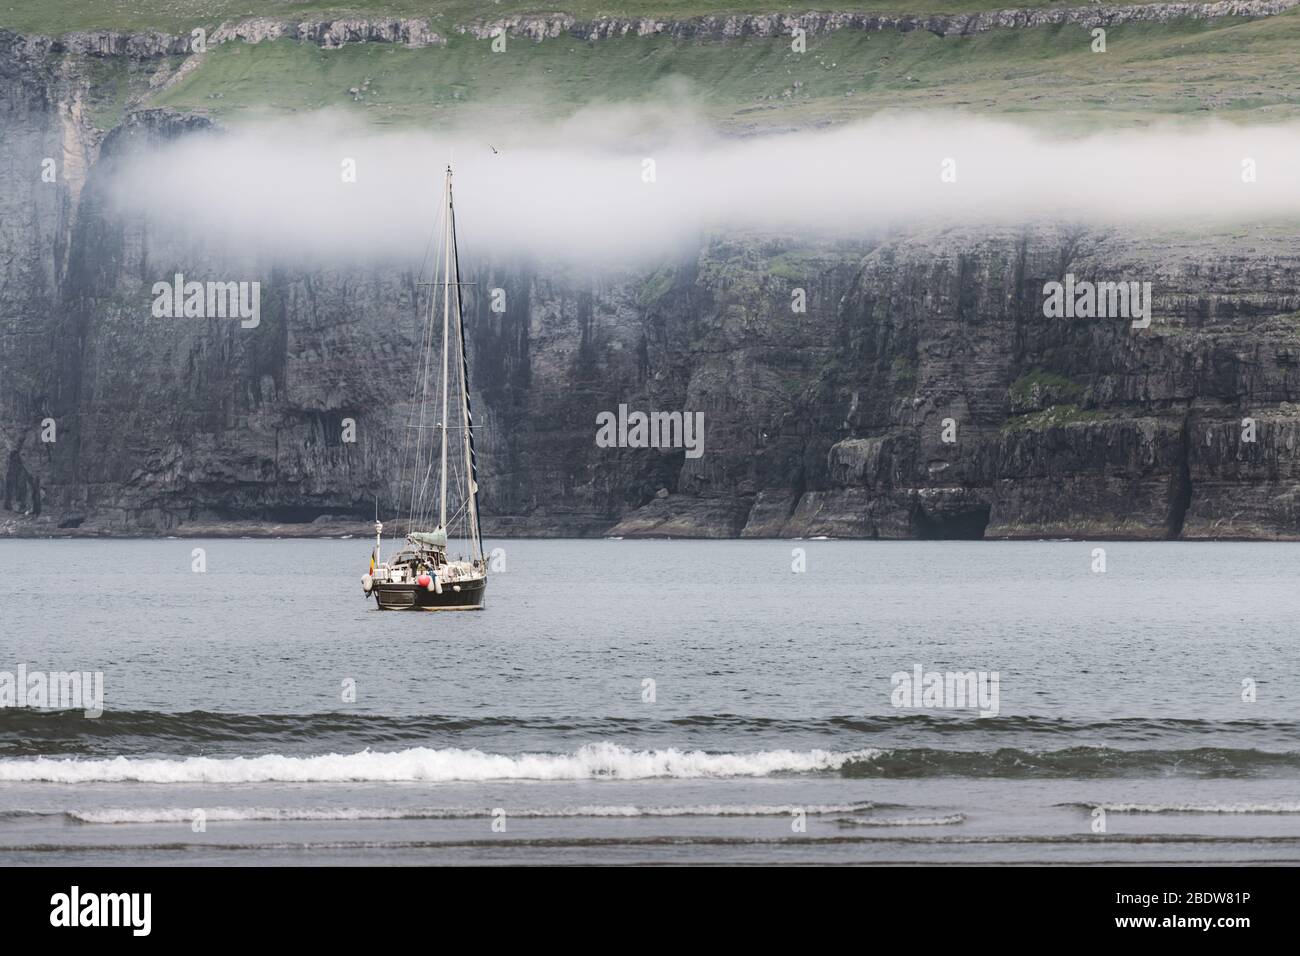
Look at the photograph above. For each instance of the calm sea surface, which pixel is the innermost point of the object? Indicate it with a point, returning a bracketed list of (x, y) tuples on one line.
[(655, 701)]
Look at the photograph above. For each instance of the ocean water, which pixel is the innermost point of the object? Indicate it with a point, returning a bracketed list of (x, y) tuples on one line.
[(656, 702)]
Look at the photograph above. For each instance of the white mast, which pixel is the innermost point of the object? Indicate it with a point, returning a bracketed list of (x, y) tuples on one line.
[(446, 324), (471, 485)]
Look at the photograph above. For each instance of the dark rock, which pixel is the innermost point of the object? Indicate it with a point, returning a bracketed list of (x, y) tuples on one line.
[(829, 422)]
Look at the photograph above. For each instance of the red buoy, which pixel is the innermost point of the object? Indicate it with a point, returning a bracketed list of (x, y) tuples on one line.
[(424, 580)]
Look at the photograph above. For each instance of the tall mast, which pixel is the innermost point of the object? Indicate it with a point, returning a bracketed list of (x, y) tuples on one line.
[(446, 327), (467, 417)]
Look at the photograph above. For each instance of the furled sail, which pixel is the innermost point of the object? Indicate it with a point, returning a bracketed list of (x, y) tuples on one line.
[(434, 539)]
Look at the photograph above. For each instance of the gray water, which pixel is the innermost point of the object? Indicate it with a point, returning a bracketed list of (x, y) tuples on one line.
[(528, 732)]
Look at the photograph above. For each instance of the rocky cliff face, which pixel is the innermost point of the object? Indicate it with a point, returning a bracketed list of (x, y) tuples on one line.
[(920, 391), (1082, 426), (43, 134)]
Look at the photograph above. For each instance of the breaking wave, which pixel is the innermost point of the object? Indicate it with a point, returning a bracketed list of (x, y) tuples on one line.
[(1189, 807), (421, 764), (113, 815), (32, 733), (946, 820), (608, 760)]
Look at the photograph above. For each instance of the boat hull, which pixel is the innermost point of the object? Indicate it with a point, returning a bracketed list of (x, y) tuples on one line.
[(414, 597)]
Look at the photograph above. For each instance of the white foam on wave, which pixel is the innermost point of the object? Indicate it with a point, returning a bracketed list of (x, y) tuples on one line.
[(950, 819), (1200, 807), (421, 764), (113, 815)]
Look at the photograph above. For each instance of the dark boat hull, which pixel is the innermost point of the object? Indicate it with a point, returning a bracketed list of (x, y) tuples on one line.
[(414, 597)]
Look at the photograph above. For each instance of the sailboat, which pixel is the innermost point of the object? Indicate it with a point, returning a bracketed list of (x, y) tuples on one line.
[(422, 576)]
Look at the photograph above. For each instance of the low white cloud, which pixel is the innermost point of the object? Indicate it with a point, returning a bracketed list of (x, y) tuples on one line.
[(578, 187)]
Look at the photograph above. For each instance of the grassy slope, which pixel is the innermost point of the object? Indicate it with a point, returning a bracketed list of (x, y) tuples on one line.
[(59, 16), (1237, 69)]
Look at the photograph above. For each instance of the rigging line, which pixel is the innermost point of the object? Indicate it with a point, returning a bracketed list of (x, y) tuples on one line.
[(425, 262), (453, 428), (417, 492), (416, 489), (406, 443), (424, 487), (456, 516), (425, 344), (425, 331), (449, 244), (417, 485)]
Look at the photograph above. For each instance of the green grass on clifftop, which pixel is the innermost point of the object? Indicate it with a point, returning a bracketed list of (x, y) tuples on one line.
[(1231, 69)]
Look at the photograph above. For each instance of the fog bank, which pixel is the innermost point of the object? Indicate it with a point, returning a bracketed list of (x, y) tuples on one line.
[(597, 188)]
